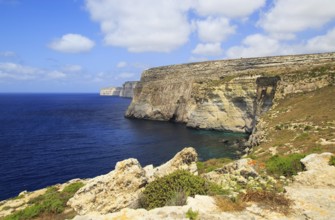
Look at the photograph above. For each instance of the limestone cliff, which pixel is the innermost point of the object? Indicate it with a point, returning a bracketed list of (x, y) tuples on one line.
[(110, 91), (128, 89), (226, 94)]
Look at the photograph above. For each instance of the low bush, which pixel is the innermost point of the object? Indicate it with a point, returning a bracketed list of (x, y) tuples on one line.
[(168, 188), (52, 202), (285, 165), (192, 215), (332, 161)]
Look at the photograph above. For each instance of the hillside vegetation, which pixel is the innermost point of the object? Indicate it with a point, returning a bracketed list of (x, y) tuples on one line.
[(300, 123)]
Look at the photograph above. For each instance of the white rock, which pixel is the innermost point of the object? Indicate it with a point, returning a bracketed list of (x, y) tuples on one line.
[(111, 192), (184, 160), (316, 161)]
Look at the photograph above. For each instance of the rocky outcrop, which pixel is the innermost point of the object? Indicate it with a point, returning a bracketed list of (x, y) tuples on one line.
[(128, 89), (111, 192), (227, 94), (121, 187), (310, 199), (110, 91), (313, 191), (318, 172), (184, 160)]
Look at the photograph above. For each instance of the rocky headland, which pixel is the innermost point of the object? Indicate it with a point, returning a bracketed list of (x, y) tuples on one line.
[(227, 94), (127, 90)]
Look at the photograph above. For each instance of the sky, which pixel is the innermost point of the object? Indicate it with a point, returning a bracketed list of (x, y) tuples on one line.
[(80, 46)]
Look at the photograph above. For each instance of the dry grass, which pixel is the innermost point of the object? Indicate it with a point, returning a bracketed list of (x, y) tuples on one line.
[(226, 204), (212, 164), (299, 121), (270, 200), (69, 214)]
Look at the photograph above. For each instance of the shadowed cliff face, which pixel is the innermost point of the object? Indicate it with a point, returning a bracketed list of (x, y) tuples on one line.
[(228, 94)]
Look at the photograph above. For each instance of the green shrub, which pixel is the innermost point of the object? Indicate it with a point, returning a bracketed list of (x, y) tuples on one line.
[(161, 191), (27, 213), (332, 161), (51, 202), (285, 165), (192, 215), (73, 188)]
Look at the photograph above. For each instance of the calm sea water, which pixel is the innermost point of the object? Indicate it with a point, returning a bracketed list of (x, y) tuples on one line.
[(51, 138)]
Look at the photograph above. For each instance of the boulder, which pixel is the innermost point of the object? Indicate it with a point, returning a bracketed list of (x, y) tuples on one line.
[(184, 160), (111, 192), (319, 173), (316, 161)]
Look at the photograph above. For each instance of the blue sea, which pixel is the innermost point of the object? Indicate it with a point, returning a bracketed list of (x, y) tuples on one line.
[(51, 138)]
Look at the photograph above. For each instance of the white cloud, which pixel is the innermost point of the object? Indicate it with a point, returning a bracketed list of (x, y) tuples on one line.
[(261, 45), (214, 29), (72, 43), (72, 68), (324, 43), (287, 17), (209, 49), (254, 46), (17, 68), (7, 54), (228, 8), (121, 64), (15, 71), (56, 75), (18, 71), (125, 75), (146, 25)]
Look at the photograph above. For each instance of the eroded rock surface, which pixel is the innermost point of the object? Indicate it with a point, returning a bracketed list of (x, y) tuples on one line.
[(313, 191), (183, 160), (111, 192), (121, 187)]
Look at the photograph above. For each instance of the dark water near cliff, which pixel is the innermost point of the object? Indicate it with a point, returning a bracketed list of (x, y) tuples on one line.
[(51, 138)]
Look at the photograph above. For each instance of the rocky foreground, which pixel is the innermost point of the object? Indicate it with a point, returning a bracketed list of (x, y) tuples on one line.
[(116, 195)]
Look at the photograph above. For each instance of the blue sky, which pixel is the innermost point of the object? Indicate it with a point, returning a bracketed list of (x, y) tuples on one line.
[(84, 45)]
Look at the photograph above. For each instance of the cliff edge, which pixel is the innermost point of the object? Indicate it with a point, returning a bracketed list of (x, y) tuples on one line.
[(227, 94)]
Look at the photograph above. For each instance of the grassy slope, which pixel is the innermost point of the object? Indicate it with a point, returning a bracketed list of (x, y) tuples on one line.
[(298, 123)]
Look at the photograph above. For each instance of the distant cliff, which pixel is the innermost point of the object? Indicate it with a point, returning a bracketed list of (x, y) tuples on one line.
[(111, 91), (226, 94), (127, 90)]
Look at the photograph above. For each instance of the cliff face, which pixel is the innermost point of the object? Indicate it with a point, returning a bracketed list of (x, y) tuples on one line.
[(111, 91), (227, 94), (128, 89)]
